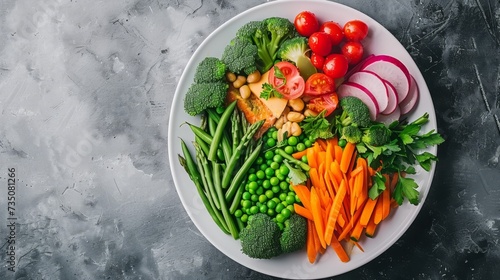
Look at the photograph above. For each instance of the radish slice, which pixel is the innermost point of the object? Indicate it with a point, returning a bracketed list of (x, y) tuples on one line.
[(356, 90), (393, 99), (373, 83), (392, 70), (387, 119), (411, 99)]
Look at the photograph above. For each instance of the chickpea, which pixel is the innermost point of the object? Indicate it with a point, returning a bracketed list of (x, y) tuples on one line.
[(295, 129), (296, 104), (310, 113), (286, 128), (295, 117), (231, 77), (254, 77), (240, 81), (279, 122), (245, 91)]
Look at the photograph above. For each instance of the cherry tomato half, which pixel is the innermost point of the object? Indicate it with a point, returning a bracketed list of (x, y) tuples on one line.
[(326, 102), (319, 84), (355, 30), (291, 84), (317, 60), (334, 30), (320, 43), (353, 51), (306, 23), (336, 65)]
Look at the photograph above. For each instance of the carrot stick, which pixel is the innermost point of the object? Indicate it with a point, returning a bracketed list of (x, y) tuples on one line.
[(329, 154), (336, 172), (302, 211), (311, 157), (299, 155), (350, 224), (367, 211), (322, 143), (347, 155), (371, 226), (304, 195), (386, 203), (310, 247), (313, 175), (338, 153), (317, 216), (341, 253), (357, 231), (378, 212), (333, 214)]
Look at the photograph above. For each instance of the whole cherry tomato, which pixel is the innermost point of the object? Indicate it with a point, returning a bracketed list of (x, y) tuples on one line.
[(353, 51), (317, 60), (355, 30), (320, 43), (306, 23), (336, 66), (334, 30)]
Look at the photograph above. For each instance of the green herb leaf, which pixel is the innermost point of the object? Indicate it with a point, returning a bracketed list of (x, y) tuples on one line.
[(296, 175), (269, 91), (378, 186), (317, 127), (406, 188)]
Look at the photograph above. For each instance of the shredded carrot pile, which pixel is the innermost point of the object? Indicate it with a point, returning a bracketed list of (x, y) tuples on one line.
[(335, 199)]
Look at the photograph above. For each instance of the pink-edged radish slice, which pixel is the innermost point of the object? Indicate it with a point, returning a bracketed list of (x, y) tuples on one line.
[(387, 119), (392, 70), (393, 99), (411, 99), (356, 90), (373, 83)]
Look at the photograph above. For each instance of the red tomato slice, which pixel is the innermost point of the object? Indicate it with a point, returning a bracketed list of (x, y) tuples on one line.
[(318, 84), (292, 85), (328, 102)]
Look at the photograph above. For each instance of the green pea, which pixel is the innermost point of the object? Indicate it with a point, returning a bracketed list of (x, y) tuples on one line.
[(259, 161), (290, 207), (263, 167), (266, 184), (281, 225), (278, 158), (274, 165), (275, 189), (254, 198), (290, 199), (300, 147), (262, 198), (271, 204), (269, 154), (244, 218), (252, 177), (271, 212), (260, 174), (263, 209), (254, 209), (271, 142), (289, 150), (342, 143), (279, 207), (283, 185), (286, 213), (282, 196), (304, 159), (274, 181), (269, 194), (274, 135), (238, 213), (293, 140), (260, 190), (297, 199), (253, 186), (308, 143), (284, 170), (246, 196), (281, 176), (245, 204), (269, 171), (280, 218)]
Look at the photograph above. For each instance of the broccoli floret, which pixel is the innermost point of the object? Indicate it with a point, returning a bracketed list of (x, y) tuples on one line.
[(352, 134), (260, 239), (201, 96), (376, 135), (354, 112), (293, 48), (267, 35), (240, 56), (280, 29), (294, 234), (210, 69)]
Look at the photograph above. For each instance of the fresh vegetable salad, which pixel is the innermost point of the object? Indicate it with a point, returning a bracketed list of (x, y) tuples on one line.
[(303, 142)]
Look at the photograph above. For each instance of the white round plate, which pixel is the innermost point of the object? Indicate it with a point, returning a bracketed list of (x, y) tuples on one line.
[(295, 265)]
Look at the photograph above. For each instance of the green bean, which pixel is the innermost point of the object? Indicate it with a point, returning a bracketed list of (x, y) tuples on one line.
[(242, 172), (201, 133), (226, 148), (212, 126), (228, 217), (212, 155), (192, 170), (290, 158), (203, 144), (212, 114), (205, 171), (231, 165), (237, 198)]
